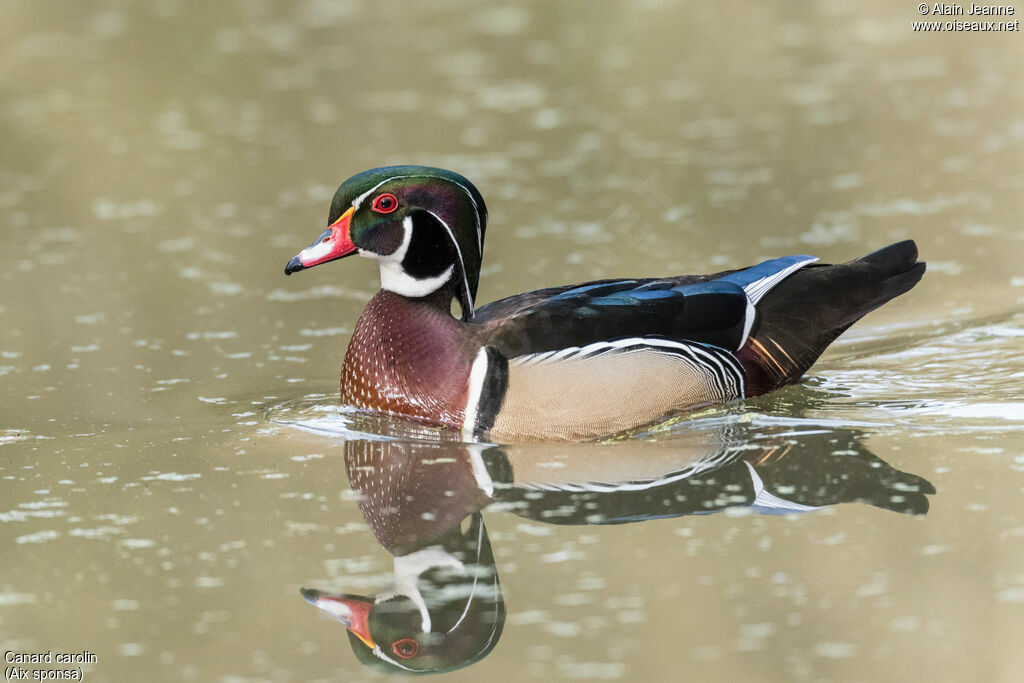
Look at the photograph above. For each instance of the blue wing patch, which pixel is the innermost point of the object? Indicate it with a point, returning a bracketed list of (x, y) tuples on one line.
[(760, 279), (658, 292), (776, 266)]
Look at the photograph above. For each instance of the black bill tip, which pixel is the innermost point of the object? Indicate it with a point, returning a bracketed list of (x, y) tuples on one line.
[(293, 266), (311, 595)]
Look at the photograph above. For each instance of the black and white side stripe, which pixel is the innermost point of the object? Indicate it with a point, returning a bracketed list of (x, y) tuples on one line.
[(723, 372), (488, 380)]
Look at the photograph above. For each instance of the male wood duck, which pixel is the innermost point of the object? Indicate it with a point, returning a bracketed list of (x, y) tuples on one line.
[(578, 361)]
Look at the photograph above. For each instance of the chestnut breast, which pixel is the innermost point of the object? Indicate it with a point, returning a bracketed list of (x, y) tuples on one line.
[(410, 358)]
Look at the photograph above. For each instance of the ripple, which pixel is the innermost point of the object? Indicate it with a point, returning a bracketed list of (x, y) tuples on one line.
[(994, 411), (13, 436), (312, 414), (324, 331), (38, 537)]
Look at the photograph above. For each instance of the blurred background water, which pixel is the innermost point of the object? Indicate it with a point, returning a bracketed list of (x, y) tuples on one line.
[(160, 162)]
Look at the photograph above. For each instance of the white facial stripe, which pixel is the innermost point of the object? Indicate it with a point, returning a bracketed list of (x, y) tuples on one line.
[(476, 213), (359, 200), (394, 278), (398, 255), (462, 264)]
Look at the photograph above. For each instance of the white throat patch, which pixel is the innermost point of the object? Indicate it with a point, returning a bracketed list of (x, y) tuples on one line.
[(394, 278)]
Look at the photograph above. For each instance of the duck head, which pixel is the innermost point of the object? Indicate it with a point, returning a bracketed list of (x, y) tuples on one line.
[(424, 226), (445, 611)]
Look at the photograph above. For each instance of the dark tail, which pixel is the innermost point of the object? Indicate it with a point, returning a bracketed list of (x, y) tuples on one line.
[(800, 317)]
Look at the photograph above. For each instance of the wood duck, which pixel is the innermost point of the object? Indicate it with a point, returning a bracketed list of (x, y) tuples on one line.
[(573, 362)]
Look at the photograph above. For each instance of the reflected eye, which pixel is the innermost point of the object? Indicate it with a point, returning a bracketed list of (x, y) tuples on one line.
[(385, 203), (406, 648)]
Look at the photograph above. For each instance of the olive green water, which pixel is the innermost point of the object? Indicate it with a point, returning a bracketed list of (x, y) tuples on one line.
[(160, 162)]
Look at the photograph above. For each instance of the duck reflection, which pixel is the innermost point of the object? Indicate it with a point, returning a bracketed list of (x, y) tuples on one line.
[(424, 503)]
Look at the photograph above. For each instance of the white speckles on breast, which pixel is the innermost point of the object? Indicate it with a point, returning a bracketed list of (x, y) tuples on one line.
[(407, 358)]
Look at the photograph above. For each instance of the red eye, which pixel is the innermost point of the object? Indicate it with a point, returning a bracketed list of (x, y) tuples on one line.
[(406, 648), (385, 203)]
